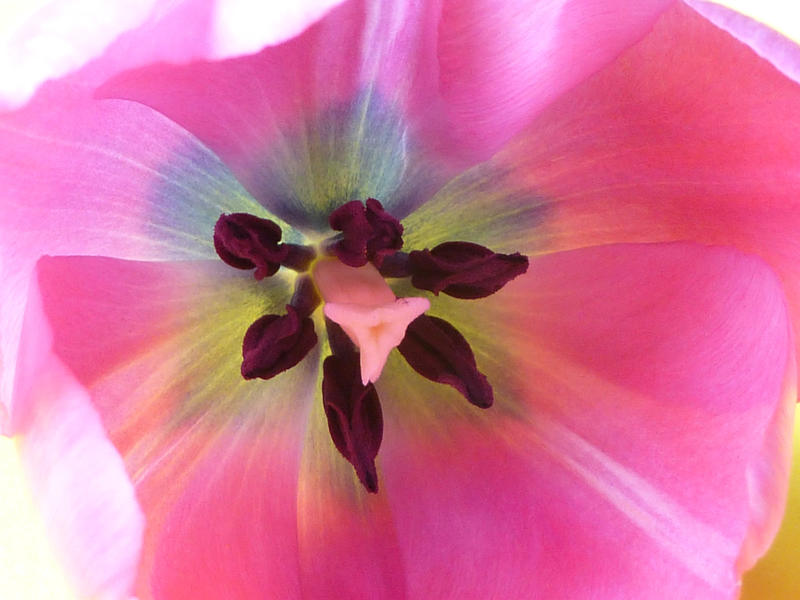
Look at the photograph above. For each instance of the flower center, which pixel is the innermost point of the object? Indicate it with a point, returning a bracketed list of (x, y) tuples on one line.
[(364, 320)]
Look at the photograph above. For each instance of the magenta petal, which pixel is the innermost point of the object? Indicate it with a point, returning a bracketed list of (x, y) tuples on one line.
[(637, 389), (214, 458), (439, 88), (675, 147), (229, 528)]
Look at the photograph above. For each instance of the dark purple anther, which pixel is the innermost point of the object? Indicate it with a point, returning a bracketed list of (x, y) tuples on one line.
[(369, 233), (354, 416), (355, 419), (245, 241), (464, 269), (436, 350), (275, 343)]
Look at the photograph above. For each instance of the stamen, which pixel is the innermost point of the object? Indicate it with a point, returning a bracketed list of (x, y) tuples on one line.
[(369, 233), (305, 299), (245, 241), (276, 343), (464, 270), (298, 258), (396, 265), (352, 408), (437, 351)]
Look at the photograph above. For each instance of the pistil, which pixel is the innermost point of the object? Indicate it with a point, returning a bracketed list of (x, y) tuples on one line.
[(361, 302)]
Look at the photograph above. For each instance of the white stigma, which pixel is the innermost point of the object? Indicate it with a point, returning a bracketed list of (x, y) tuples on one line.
[(362, 303)]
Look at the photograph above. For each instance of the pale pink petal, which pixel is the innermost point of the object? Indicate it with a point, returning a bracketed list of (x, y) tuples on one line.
[(76, 474), (244, 27), (52, 38), (689, 135), (638, 396), (767, 482), (768, 43), (501, 62), (48, 39), (214, 458), (100, 177)]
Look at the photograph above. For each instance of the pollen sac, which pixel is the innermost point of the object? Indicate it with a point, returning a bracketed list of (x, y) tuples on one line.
[(463, 269), (276, 343), (369, 233), (437, 351), (245, 241), (353, 410)]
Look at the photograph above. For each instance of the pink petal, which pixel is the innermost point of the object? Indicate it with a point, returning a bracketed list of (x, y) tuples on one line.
[(110, 177), (503, 62), (229, 527), (214, 458), (56, 38), (347, 110), (639, 394), (689, 135), (76, 474), (438, 86)]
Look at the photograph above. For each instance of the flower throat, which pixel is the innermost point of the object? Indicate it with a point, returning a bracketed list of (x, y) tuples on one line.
[(364, 320)]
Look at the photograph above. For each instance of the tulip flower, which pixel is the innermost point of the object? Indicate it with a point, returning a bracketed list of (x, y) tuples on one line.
[(421, 300)]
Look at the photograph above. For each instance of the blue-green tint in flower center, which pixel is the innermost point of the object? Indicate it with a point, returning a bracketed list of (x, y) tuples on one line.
[(355, 150)]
